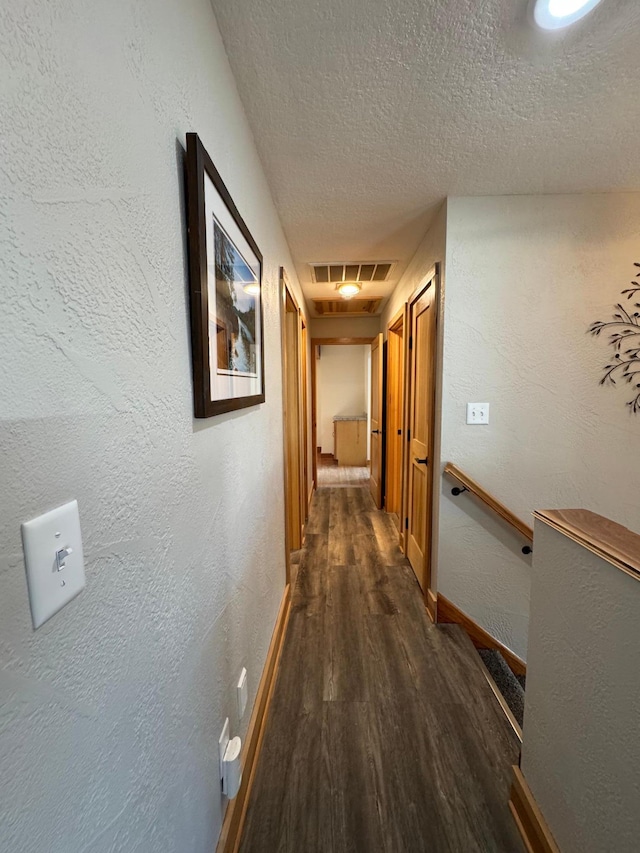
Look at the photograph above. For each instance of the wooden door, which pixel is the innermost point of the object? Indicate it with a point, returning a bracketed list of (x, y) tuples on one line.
[(315, 450), (420, 423), (375, 482), (304, 414), (291, 329), (394, 438)]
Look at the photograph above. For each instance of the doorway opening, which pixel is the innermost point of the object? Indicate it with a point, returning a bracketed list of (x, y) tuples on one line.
[(340, 411), (401, 425)]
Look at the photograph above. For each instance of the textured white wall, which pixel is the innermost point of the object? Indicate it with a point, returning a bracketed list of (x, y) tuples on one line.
[(581, 749), (341, 388), (431, 251), (525, 278), (111, 711)]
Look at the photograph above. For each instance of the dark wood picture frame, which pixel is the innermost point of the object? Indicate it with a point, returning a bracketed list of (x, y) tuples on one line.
[(199, 165)]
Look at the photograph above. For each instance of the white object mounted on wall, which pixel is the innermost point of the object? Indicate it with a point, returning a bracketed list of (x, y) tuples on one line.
[(54, 560), (477, 413), (230, 770), (242, 693)]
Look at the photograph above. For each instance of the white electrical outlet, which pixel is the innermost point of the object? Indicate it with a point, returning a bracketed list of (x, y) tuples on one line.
[(242, 693), (477, 413)]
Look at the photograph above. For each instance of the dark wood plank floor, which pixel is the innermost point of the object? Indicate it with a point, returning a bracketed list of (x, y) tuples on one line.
[(383, 734), (341, 476)]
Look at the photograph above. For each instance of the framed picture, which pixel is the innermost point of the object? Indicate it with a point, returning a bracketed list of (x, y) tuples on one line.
[(225, 278)]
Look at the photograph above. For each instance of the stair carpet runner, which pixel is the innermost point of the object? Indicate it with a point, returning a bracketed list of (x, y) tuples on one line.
[(510, 685)]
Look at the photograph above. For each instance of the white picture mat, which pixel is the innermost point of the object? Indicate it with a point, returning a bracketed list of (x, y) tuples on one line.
[(222, 385)]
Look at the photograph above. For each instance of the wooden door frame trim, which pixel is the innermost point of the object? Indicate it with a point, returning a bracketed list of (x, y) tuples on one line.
[(433, 276), (399, 319), (405, 425), (304, 404), (235, 814), (379, 343), (424, 284), (319, 342), (399, 316), (285, 290)]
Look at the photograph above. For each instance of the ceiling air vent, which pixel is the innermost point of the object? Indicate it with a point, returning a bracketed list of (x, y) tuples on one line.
[(346, 307), (335, 273)]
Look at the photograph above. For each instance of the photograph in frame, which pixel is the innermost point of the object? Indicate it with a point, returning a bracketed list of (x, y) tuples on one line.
[(225, 280)]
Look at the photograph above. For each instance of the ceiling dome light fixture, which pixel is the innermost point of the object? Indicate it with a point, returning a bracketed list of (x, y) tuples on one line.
[(556, 14), (349, 289), (252, 288)]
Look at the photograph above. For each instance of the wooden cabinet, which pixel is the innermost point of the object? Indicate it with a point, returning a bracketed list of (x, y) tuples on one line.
[(350, 437)]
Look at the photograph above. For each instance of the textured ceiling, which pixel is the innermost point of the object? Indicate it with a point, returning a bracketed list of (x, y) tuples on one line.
[(368, 114)]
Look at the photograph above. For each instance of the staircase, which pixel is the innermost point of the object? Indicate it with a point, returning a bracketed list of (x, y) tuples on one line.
[(499, 671), (511, 686)]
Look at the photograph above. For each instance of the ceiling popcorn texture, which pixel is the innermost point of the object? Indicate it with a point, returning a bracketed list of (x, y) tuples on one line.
[(367, 115)]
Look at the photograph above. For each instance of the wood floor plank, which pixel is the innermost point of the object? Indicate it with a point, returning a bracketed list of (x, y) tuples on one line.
[(340, 547), (386, 535), (383, 734), (319, 512), (305, 817), (295, 720), (412, 794), (485, 716), (357, 825), (388, 576), (345, 670), (476, 787), (340, 477), (361, 507), (310, 590)]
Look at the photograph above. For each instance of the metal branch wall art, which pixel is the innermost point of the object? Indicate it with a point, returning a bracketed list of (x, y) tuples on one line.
[(624, 339)]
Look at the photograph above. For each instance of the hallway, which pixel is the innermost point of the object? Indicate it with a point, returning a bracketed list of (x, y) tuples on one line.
[(383, 734)]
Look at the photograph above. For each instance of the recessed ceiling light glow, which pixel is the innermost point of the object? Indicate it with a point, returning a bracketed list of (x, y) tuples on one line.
[(349, 289), (556, 14)]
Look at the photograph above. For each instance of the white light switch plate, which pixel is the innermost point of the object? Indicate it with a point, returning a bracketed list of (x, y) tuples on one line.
[(242, 693), (54, 561), (477, 413)]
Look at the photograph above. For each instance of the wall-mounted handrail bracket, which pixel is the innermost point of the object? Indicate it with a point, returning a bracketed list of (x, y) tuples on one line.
[(456, 490), (527, 549)]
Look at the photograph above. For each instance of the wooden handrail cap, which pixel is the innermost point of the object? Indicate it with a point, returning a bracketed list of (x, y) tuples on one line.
[(609, 540)]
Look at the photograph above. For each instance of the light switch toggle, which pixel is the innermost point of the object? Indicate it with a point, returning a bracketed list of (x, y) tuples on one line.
[(61, 556)]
